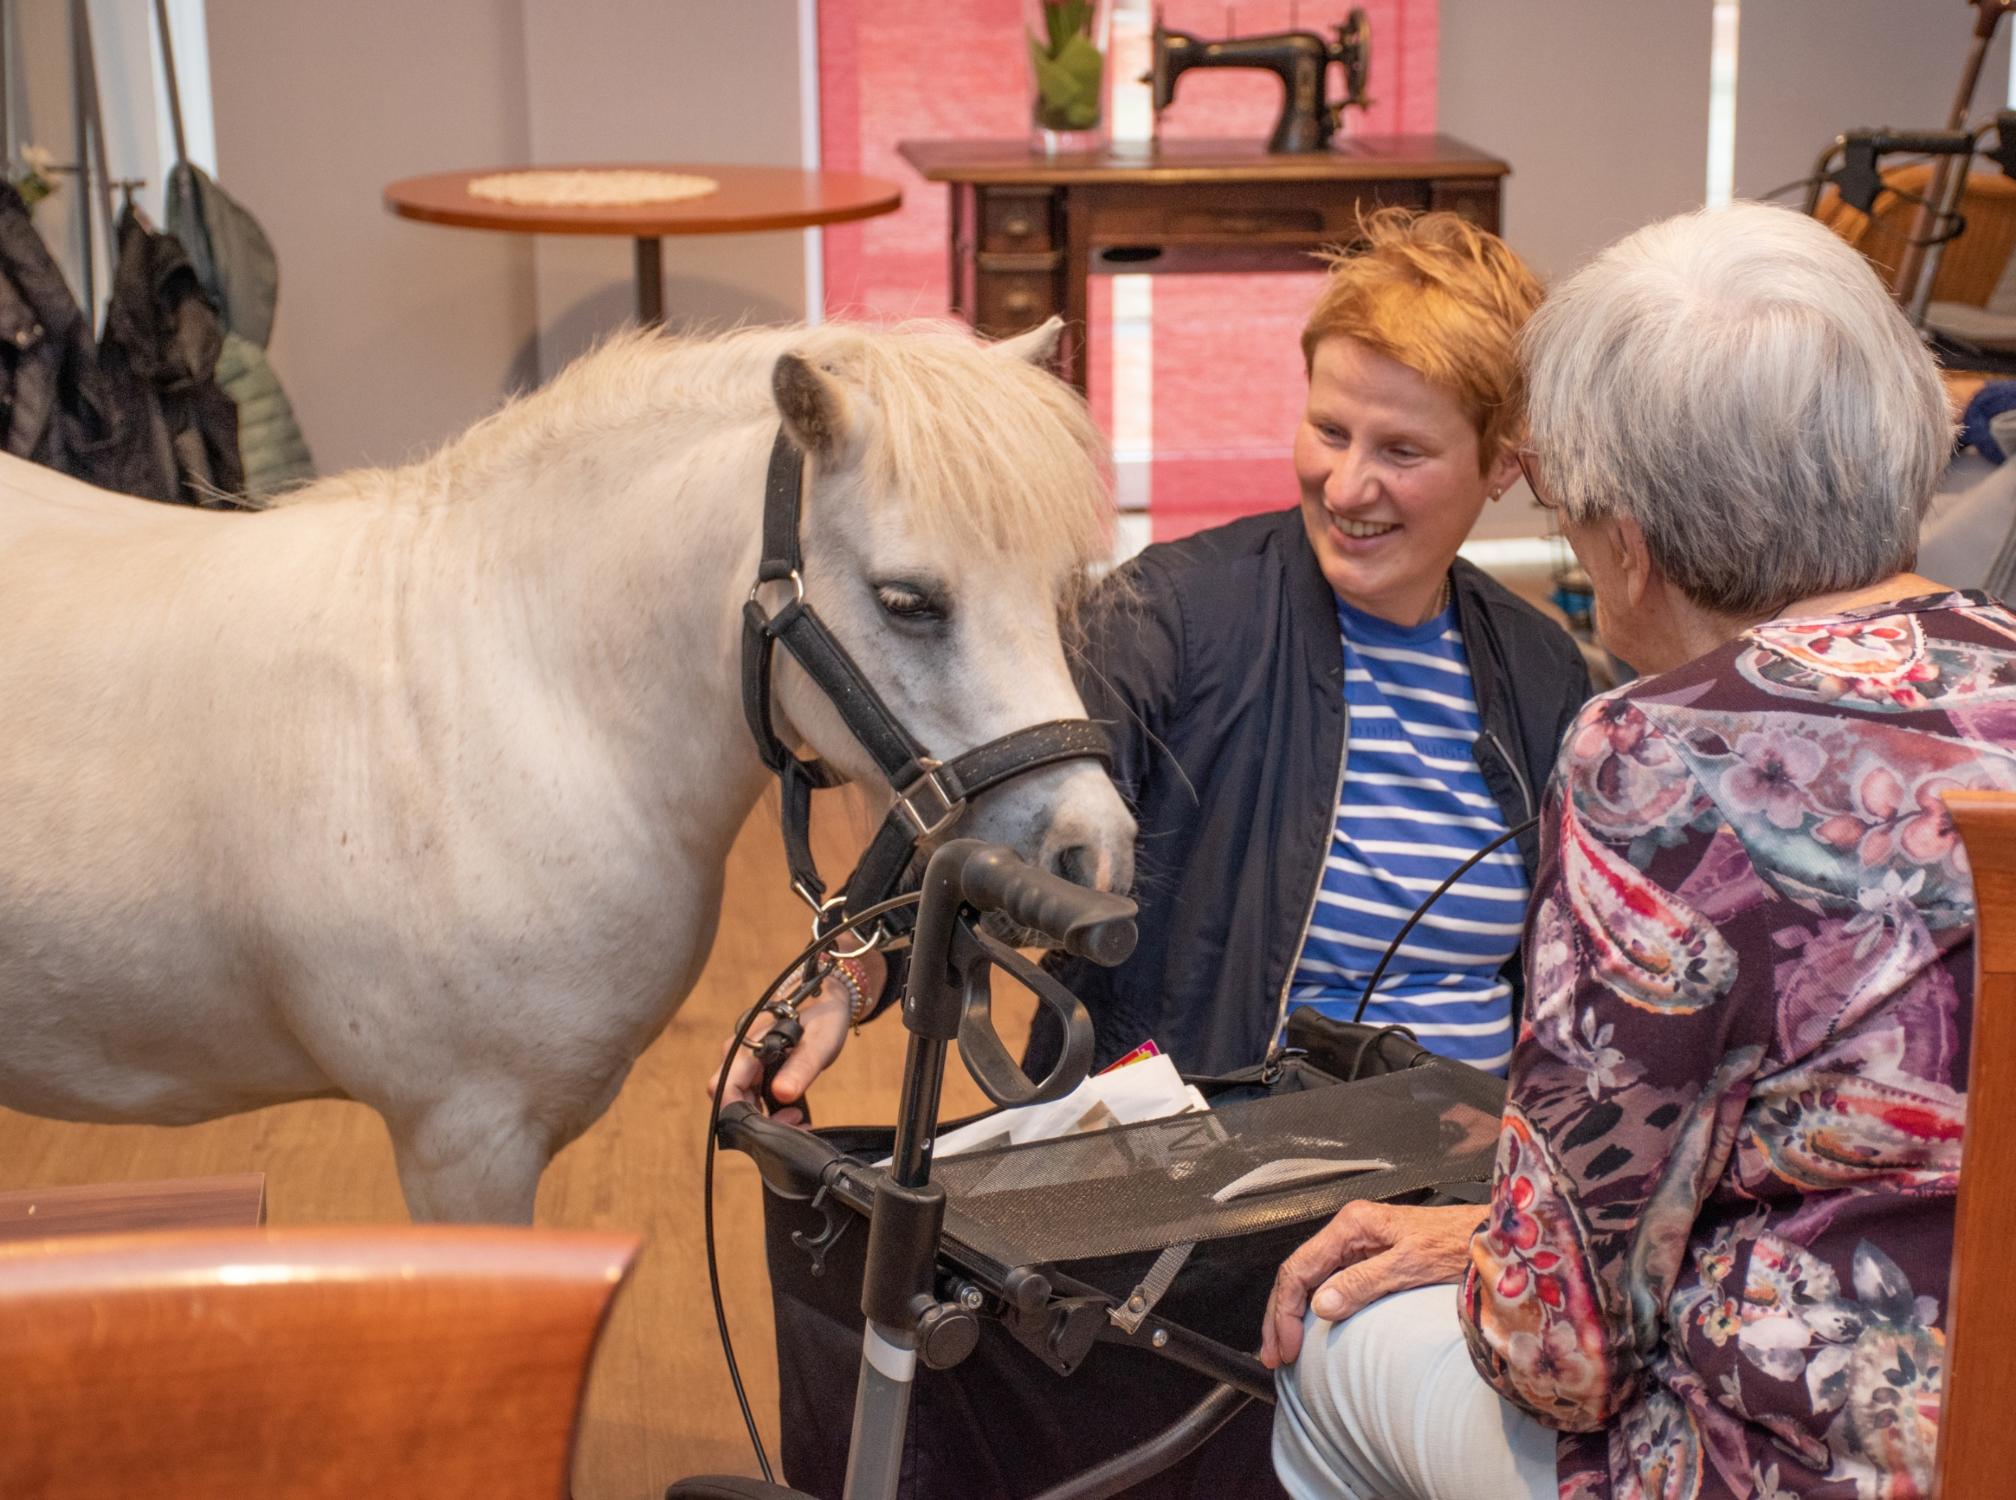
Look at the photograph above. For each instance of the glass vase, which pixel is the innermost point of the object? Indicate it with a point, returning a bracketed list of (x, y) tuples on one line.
[(1067, 41)]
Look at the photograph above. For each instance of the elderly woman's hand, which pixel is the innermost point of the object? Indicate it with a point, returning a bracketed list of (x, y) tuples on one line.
[(1368, 1251), (826, 1016)]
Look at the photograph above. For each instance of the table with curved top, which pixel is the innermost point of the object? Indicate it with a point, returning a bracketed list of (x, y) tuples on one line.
[(747, 200)]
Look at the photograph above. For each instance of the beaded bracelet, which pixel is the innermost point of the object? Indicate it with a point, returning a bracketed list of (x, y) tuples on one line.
[(855, 978)]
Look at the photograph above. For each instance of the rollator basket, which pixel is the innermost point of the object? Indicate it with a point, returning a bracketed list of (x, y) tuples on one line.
[(1073, 1250)]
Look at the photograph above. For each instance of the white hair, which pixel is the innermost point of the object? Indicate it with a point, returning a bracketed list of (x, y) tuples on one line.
[(1738, 382)]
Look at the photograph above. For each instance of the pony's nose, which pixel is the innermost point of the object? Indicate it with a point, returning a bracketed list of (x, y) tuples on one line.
[(1087, 836), (1077, 864)]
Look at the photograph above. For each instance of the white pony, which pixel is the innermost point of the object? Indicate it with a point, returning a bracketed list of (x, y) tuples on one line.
[(417, 788)]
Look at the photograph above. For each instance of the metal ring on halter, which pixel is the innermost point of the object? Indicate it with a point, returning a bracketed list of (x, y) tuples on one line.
[(875, 938), (794, 578)]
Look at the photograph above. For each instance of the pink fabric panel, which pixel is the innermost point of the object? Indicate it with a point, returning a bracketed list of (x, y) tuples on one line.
[(892, 70), (1228, 378)]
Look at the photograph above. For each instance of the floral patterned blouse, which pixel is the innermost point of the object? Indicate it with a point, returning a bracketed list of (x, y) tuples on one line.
[(1722, 1222)]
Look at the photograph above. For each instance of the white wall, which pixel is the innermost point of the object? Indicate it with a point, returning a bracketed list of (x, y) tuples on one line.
[(644, 80), (1601, 108), (394, 335), (391, 335)]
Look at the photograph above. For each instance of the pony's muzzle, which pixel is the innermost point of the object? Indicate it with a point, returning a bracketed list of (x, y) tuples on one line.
[(1067, 819), (1089, 838)]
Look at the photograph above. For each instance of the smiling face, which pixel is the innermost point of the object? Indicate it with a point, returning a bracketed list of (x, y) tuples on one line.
[(1391, 479)]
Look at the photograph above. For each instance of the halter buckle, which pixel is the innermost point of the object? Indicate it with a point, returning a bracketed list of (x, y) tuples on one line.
[(794, 578), (928, 824)]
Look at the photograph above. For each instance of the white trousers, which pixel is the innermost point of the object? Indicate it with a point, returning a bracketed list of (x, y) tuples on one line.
[(1387, 1406)]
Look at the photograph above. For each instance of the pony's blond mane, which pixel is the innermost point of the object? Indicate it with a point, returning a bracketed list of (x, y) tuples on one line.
[(954, 425)]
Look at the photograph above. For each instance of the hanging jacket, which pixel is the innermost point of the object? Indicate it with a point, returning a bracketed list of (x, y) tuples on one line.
[(270, 444), (159, 358), (53, 405), (235, 262), (228, 250)]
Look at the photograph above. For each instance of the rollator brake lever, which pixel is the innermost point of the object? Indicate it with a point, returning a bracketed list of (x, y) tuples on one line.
[(951, 998), (986, 1056)]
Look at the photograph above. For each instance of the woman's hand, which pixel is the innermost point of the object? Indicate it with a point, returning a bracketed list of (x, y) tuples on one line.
[(826, 1016), (1368, 1251)]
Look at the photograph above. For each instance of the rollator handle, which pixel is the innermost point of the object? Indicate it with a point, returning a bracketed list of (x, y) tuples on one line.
[(1884, 141), (1859, 177), (1095, 925), (792, 1162)]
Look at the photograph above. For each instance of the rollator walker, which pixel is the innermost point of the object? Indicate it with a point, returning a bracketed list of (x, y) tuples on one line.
[(987, 1234)]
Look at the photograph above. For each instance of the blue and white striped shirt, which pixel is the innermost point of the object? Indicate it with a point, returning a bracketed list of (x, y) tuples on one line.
[(1413, 807)]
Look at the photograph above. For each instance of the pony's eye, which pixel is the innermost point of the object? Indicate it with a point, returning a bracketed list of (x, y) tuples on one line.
[(904, 601)]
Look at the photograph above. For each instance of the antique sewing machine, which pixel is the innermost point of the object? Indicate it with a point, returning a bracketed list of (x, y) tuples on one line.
[(1302, 59)]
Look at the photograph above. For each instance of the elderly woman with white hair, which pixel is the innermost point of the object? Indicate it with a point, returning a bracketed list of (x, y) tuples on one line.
[(1716, 1254)]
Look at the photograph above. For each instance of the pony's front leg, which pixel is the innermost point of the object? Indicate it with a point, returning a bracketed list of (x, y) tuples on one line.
[(471, 1160)]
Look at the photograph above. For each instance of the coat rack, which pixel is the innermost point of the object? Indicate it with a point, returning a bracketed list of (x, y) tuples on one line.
[(90, 169)]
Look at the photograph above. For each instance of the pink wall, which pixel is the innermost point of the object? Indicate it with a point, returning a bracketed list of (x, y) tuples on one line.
[(1228, 379)]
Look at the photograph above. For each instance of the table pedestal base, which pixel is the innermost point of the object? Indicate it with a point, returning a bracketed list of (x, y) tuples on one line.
[(650, 281)]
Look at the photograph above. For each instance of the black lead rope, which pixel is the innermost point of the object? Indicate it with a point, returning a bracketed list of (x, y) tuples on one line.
[(1379, 970), (930, 796), (735, 1048)]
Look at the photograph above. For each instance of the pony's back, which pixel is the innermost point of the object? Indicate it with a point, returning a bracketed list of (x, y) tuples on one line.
[(32, 496)]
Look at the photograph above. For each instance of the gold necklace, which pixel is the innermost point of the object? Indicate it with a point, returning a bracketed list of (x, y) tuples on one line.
[(1441, 598)]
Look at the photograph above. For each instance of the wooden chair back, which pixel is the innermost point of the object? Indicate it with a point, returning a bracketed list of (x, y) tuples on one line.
[(1970, 267), (1980, 1380), (360, 1363)]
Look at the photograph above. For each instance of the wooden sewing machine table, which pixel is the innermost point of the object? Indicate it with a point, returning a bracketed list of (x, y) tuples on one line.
[(1028, 230)]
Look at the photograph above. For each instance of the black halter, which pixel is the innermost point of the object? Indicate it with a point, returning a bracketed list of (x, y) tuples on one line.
[(930, 794)]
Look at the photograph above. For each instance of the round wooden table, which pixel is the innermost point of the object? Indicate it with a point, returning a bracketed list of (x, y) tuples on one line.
[(749, 199)]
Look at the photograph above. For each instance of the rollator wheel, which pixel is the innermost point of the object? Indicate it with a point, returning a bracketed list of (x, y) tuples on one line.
[(731, 1487)]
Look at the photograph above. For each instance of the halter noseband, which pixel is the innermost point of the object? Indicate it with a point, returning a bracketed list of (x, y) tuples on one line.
[(930, 794)]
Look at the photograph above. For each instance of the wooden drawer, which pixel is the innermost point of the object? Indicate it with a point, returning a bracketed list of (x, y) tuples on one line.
[(1476, 201), (1242, 212), (1017, 221), (1010, 300)]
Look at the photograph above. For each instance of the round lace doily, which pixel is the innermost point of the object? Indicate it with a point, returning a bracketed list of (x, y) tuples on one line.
[(582, 189)]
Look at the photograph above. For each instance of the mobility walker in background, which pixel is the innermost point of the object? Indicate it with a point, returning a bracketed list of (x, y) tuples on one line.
[(994, 1236)]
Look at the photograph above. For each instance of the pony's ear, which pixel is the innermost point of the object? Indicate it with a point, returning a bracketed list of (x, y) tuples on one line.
[(816, 408), (1037, 346)]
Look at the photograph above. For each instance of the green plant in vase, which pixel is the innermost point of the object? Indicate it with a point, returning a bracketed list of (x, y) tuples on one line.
[(1069, 67)]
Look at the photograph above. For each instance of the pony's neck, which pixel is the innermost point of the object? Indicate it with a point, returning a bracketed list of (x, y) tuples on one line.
[(633, 554)]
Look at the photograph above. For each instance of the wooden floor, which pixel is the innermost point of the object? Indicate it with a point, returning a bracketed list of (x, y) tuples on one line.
[(659, 1403)]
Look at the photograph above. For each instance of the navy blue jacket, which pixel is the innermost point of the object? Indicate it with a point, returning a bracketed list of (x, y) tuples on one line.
[(1217, 665)]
